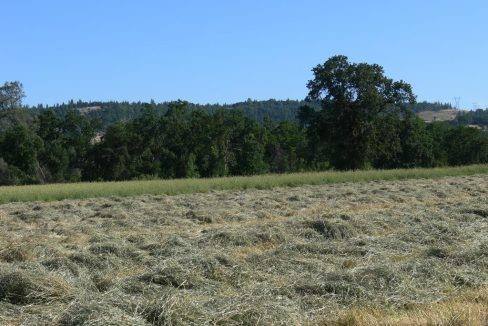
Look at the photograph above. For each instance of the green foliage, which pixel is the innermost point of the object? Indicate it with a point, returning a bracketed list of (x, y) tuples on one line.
[(438, 132), (477, 117), (19, 147), (12, 117), (51, 149), (353, 97), (66, 140), (416, 143), (179, 144), (431, 106), (355, 117), (11, 95), (286, 147), (108, 113), (465, 144), (8, 175)]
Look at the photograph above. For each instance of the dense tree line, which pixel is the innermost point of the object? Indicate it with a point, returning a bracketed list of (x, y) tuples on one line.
[(108, 113), (477, 117), (354, 118), (181, 143), (431, 106)]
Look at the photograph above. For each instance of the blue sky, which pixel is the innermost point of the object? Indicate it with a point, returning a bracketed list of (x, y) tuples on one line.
[(226, 51)]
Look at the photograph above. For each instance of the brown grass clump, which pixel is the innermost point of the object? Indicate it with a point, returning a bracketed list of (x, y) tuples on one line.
[(15, 252), (92, 313), (470, 309), (332, 229), (411, 252), (25, 287)]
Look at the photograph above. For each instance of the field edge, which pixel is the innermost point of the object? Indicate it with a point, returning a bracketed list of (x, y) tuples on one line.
[(55, 192)]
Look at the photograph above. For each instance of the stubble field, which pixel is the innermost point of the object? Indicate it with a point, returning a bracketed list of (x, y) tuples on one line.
[(380, 252)]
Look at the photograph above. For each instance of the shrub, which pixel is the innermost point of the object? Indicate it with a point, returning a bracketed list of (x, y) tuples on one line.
[(8, 174)]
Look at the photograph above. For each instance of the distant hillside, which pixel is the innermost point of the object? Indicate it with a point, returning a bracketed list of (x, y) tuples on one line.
[(88, 109), (110, 112), (441, 115), (275, 110), (431, 112)]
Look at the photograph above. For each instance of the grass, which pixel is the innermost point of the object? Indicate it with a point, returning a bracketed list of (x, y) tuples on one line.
[(407, 252), (467, 308), (52, 192)]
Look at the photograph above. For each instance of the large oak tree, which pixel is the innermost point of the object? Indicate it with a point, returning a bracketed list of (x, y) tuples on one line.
[(353, 97)]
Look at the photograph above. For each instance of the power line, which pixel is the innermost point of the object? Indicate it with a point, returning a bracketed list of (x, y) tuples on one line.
[(457, 100)]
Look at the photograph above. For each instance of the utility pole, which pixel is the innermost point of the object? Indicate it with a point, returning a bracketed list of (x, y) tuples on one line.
[(457, 100)]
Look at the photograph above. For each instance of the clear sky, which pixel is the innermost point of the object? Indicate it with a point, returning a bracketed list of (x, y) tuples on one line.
[(226, 51)]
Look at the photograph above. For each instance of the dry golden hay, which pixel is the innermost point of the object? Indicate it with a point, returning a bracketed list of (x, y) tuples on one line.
[(384, 252)]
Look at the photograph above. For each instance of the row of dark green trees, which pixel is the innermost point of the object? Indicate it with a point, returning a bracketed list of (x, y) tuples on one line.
[(365, 121)]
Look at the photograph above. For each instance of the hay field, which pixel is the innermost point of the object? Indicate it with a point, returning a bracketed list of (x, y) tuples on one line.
[(381, 252)]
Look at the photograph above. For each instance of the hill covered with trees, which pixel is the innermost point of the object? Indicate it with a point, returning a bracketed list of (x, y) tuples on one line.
[(111, 112), (104, 114), (108, 113)]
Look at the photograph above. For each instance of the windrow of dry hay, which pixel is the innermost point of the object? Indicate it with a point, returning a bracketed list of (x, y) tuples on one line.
[(383, 252)]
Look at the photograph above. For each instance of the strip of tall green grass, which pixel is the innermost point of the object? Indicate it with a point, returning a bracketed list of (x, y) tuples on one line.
[(51, 192)]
